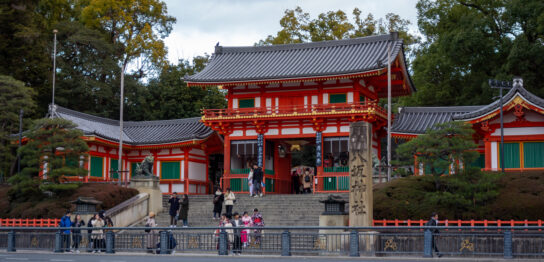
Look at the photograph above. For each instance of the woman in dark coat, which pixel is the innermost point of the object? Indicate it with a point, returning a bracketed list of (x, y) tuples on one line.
[(218, 199), (184, 209)]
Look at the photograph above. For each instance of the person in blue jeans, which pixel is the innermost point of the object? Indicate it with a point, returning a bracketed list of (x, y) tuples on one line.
[(65, 221)]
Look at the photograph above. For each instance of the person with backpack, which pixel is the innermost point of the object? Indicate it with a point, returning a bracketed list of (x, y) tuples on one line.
[(257, 221), (250, 181), (151, 238), (257, 181), (76, 233), (218, 199), (90, 234), (307, 179), (66, 222), (433, 222)]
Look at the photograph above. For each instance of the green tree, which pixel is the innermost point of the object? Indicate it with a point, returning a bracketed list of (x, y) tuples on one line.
[(441, 146), (14, 96), (298, 27), (467, 42), (168, 96), (58, 145)]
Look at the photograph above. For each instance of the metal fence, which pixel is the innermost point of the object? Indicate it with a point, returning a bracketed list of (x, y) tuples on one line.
[(506, 242)]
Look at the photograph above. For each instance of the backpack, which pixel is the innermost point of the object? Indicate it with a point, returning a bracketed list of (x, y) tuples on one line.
[(147, 230), (306, 178), (90, 224), (216, 199)]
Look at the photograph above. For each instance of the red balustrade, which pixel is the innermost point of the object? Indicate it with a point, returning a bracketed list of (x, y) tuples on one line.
[(29, 222)]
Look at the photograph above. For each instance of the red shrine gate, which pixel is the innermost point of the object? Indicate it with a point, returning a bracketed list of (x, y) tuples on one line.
[(308, 93)]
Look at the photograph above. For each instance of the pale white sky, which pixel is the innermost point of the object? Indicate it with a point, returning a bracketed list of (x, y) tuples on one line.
[(202, 23)]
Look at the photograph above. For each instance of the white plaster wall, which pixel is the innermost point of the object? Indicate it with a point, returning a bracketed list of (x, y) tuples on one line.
[(314, 100), (331, 129), (133, 153), (164, 188), (182, 171), (158, 171), (146, 152), (197, 171), (177, 151), (196, 151), (237, 133), (101, 149), (192, 188), (350, 97), (272, 132), (344, 129), (258, 101), (178, 188), (520, 131), (325, 98), (290, 131), (268, 102), (251, 132), (164, 152), (494, 158), (235, 103), (308, 130)]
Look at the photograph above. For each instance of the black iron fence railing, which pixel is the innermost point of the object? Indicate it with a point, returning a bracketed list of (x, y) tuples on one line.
[(505, 242)]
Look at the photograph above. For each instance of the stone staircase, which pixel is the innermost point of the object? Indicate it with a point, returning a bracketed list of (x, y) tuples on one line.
[(277, 210)]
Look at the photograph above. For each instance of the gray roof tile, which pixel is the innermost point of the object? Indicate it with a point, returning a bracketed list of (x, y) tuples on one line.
[(138, 132), (416, 120), (327, 58)]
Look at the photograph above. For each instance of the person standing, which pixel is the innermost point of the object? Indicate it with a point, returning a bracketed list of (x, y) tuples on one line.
[(257, 181), (66, 222), (184, 210), (250, 181), (307, 179), (90, 234), (151, 238), (174, 207), (295, 181), (433, 222), (98, 233), (229, 201), (237, 241), (246, 221), (76, 233), (257, 221), (218, 203)]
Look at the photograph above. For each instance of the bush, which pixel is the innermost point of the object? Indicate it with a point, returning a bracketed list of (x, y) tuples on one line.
[(60, 189)]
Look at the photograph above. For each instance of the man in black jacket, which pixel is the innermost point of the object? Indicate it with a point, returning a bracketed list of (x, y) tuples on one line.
[(257, 180), (174, 207), (433, 222)]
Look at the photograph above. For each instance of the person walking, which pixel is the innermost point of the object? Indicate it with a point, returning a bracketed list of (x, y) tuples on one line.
[(237, 224), (76, 233), (250, 181), (90, 234), (257, 181), (227, 224), (307, 179), (184, 210), (218, 199), (151, 238), (230, 198), (174, 207), (98, 233), (295, 181), (66, 222), (246, 221), (257, 221), (433, 222)]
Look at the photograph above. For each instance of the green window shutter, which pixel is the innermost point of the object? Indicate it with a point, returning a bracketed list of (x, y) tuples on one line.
[(114, 164), (133, 167), (511, 155), (361, 98), (337, 98), (72, 161), (97, 165), (246, 103), (170, 170), (533, 154), (479, 162)]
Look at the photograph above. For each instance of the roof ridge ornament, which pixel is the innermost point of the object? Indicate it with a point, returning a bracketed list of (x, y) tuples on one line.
[(518, 82)]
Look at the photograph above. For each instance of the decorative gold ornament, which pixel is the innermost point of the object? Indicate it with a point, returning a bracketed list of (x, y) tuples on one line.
[(390, 244), (466, 244)]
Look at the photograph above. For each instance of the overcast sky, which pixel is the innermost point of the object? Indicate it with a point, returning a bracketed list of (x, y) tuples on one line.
[(202, 23)]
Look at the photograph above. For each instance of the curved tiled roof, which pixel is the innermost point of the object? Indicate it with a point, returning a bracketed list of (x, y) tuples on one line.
[(327, 58), (416, 120), (138, 132), (518, 89)]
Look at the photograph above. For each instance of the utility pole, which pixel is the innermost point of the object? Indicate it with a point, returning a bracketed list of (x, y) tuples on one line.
[(20, 140), (389, 111), (121, 103), (52, 109), (501, 85)]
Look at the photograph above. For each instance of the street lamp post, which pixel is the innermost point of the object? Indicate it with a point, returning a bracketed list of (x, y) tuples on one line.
[(501, 85), (55, 31)]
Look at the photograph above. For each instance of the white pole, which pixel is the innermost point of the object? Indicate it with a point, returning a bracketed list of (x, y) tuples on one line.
[(389, 112), (52, 110), (121, 103)]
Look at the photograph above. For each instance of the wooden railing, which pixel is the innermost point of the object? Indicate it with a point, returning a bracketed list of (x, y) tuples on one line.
[(29, 222), (290, 110)]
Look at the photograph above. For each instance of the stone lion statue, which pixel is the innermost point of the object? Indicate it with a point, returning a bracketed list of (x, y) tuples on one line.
[(145, 169)]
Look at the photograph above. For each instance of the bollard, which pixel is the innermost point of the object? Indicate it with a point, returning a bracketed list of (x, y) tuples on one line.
[(508, 244), (286, 243), (11, 241), (164, 242), (427, 243), (354, 244), (110, 237), (58, 242), (223, 251)]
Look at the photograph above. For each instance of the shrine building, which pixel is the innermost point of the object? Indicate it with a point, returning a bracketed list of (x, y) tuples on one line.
[(282, 97), (523, 123), (184, 150)]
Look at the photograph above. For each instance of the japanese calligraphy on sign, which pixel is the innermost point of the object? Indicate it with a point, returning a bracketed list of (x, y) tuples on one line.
[(360, 174)]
